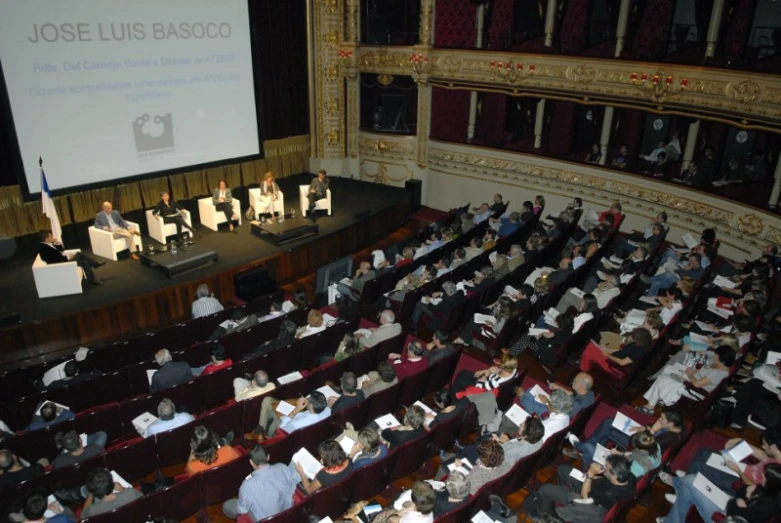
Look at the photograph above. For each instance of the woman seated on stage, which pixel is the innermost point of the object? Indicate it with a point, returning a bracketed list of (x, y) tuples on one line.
[(223, 202), (269, 194), (170, 211)]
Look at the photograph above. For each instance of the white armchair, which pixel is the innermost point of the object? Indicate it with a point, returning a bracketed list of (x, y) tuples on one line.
[(211, 217), (254, 201), (320, 205), (57, 279), (105, 245), (159, 230)]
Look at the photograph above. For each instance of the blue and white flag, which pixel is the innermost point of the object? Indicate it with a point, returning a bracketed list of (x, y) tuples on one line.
[(48, 207)]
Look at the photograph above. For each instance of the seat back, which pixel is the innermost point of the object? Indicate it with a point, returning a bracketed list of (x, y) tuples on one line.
[(413, 387), (462, 514), (222, 483), (372, 479), (178, 502), (134, 460), (384, 401), (294, 514), (103, 417), (411, 455), (224, 419), (332, 501), (173, 446), (442, 372)]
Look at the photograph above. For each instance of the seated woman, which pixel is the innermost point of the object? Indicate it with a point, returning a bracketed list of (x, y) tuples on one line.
[(645, 454), (446, 409), (753, 503), (667, 432), (207, 452), (545, 343), (541, 289), (368, 448), (348, 346), (489, 465), (336, 467), (222, 200), (314, 324), (501, 266), (668, 388), (487, 379), (635, 350), (594, 242), (502, 310), (414, 506), (411, 428), (407, 284), (269, 194), (455, 493), (539, 204)]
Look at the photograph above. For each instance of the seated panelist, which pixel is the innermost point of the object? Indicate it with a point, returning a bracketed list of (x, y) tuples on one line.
[(110, 220), (170, 211), (223, 202), (51, 251)]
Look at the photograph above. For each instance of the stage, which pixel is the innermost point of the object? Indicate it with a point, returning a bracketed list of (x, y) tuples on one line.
[(137, 298)]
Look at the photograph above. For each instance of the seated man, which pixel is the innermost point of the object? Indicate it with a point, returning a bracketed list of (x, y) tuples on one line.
[(13, 471), (307, 411), (50, 414), (693, 269), (170, 373), (692, 176), (475, 248), (267, 491), (498, 207), (582, 396), (489, 240), (105, 495), (112, 221), (238, 321), (35, 506), (220, 360), (515, 257), (448, 298), (167, 418), (286, 336), (411, 362), (72, 376), (388, 329), (381, 379), (318, 190), (205, 303), (558, 276), (245, 389), (651, 157), (621, 158), (660, 168), (351, 396), (483, 279), (274, 310), (482, 213), (354, 289), (507, 226), (51, 251), (73, 450)]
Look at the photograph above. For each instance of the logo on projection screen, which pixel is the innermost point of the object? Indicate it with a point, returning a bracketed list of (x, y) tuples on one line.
[(153, 136)]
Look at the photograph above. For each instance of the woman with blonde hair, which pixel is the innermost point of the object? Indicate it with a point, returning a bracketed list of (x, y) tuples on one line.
[(269, 194), (489, 379), (314, 324)]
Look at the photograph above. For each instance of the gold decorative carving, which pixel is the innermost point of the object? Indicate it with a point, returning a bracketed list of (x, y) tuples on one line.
[(382, 59), (746, 91), (382, 177), (426, 21), (450, 63), (331, 38), (331, 72), (385, 79), (583, 73), (332, 137), (331, 106), (750, 224), (773, 235), (351, 33), (385, 148), (331, 5)]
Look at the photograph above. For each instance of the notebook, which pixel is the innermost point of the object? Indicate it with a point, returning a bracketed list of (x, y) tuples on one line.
[(308, 462)]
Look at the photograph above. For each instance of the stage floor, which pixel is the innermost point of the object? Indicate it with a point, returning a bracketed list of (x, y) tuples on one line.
[(126, 278)]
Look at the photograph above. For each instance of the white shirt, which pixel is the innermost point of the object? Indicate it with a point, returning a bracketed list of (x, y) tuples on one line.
[(555, 423), (580, 319), (309, 330), (667, 315)]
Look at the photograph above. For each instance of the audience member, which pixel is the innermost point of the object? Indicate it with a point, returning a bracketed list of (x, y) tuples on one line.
[(14, 471), (167, 418), (105, 495), (220, 360), (336, 467), (171, 373), (381, 379), (73, 451), (49, 414), (205, 303), (388, 329), (207, 451), (246, 389), (307, 411)]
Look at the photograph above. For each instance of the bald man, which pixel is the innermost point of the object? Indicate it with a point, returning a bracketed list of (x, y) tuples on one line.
[(110, 220), (388, 329)]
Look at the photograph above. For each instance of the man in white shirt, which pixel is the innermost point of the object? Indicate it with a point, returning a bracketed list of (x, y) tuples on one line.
[(559, 405), (167, 419), (482, 214)]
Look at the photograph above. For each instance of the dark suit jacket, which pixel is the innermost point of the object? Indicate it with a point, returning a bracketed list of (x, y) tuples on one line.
[(448, 303), (271, 346), (483, 285), (558, 276), (249, 321), (52, 253), (78, 378), (171, 374)]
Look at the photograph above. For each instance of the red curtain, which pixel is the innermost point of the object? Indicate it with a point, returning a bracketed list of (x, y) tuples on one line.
[(650, 41), (449, 114), (491, 121), (574, 27), (455, 24), (500, 28), (738, 30), (561, 126)]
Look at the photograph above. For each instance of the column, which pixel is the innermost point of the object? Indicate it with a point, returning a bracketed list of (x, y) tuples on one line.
[(550, 22), (426, 31), (623, 20), (470, 133), (539, 118), (424, 122), (776, 192), (351, 22), (604, 138), (713, 28), (691, 145)]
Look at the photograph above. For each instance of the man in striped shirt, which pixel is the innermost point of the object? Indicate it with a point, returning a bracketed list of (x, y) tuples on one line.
[(205, 304)]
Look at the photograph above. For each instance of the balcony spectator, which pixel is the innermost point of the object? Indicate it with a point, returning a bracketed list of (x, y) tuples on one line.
[(594, 155)]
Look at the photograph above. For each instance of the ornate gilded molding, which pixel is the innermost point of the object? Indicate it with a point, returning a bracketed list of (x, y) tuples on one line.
[(426, 22), (750, 224), (331, 5), (386, 147), (384, 79), (351, 21), (382, 176), (746, 99)]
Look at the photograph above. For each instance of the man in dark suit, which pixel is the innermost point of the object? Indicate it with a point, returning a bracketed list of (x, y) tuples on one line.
[(483, 279), (559, 275), (450, 297), (52, 251), (238, 322), (171, 373), (72, 376), (318, 190)]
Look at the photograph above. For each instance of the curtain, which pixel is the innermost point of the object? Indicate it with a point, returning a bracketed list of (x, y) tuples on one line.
[(739, 27), (575, 26), (561, 126), (500, 26), (152, 189), (16, 215), (449, 114), (490, 126), (650, 41), (455, 24)]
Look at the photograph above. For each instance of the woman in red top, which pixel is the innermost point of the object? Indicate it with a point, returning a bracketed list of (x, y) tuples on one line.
[(220, 360)]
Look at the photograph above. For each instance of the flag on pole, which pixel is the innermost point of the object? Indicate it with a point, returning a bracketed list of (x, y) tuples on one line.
[(48, 206)]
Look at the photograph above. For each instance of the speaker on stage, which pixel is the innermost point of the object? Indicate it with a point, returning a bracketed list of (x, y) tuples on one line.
[(415, 190), (253, 283)]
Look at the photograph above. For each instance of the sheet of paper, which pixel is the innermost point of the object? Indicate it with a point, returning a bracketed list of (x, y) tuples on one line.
[(326, 519), (426, 408), (510, 290), (726, 330), (592, 215), (347, 281), (616, 260), (721, 281), (328, 392), (600, 454), (308, 462), (55, 373), (773, 357), (285, 408), (601, 275), (578, 475), (552, 313), (328, 320), (743, 339), (49, 512), (347, 444), (660, 270), (482, 517), (623, 423), (698, 338), (552, 322), (577, 292), (287, 306), (534, 331), (516, 414), (59, 406), (651, 300), (435, 301), (465, 468), (149, 374), (461, 286), (711, 491), (636, 316), (717, 461), (740, 451), (718, 311), (704, 326), (140, 423), (537, 391), (482, 319), (289, 378), (363, 332), (689, 240), (119, 479), (387, 421), (83, 439)]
